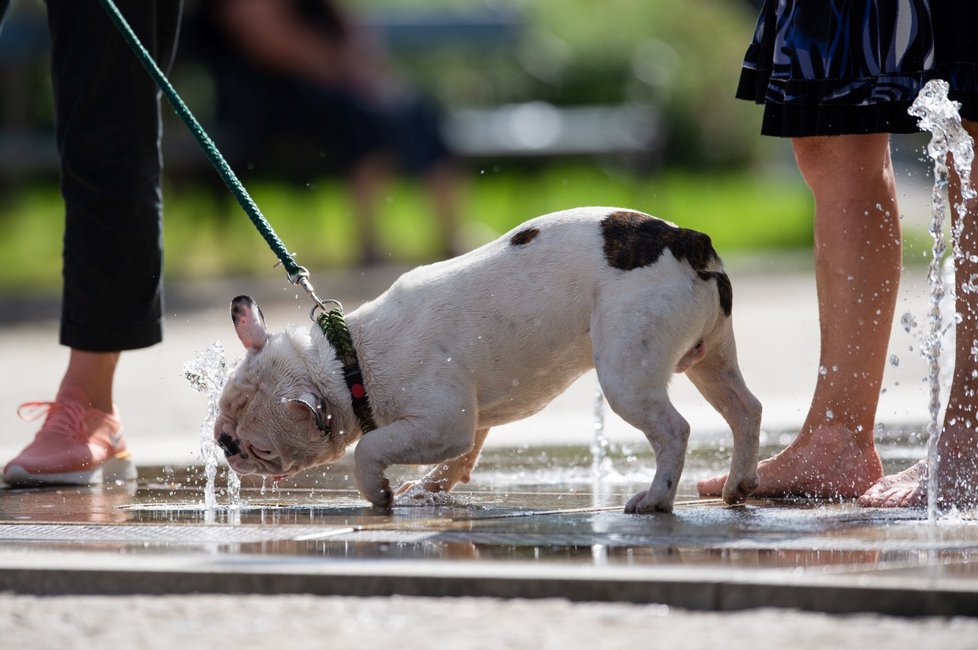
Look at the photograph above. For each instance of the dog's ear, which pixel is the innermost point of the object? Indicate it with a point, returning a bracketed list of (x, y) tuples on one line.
[(316, 407), (249, 323)]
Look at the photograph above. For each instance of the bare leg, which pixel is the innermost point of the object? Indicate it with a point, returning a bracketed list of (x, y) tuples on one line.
[(958, 445), (857, 271), (92, 373)]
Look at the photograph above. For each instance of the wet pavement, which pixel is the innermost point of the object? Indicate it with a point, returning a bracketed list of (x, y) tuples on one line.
[(538, 527), (536, 521)]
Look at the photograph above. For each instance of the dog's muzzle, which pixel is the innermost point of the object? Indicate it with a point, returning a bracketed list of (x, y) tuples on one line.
[(228, 444)]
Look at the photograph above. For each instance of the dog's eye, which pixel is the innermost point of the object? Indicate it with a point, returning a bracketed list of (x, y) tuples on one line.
[(264, 454)]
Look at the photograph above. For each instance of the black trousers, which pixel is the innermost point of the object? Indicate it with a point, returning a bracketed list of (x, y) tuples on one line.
[(107, 112)]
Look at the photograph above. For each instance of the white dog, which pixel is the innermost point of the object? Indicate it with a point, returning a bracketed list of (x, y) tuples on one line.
[(455, 348)]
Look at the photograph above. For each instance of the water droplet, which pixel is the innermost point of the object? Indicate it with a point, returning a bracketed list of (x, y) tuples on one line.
[(894, 360), (908, 322)]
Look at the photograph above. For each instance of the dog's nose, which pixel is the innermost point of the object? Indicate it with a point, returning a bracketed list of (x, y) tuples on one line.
[(228, 444)]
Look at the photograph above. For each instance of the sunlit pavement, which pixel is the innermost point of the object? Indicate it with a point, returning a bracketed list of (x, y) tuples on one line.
[(536, 521), (536, 527)]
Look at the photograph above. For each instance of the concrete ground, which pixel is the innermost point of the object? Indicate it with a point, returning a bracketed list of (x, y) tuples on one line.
[(301, 622)]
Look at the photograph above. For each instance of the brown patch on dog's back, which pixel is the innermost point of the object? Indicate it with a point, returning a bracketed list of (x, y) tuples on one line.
[(633, 240), (524, 237)]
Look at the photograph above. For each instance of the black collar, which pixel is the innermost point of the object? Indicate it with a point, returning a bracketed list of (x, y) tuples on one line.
[(335, 330)]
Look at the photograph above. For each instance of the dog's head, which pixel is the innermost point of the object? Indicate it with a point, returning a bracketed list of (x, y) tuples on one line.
[(272, 419)]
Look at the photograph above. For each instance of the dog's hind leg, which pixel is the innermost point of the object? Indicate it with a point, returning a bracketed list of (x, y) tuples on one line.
[(717, 376), (444, 476), (668, 433), (635, 385)]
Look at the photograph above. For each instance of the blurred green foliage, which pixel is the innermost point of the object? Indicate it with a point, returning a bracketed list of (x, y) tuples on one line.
[(206, 234), (682, 58)]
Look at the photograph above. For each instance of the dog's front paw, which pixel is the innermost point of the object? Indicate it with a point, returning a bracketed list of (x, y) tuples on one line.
[(645, 502), (377, 491), (382, 498), (737, 491), (370, 478)]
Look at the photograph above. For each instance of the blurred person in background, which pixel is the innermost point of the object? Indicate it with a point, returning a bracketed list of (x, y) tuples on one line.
[(304, 69)]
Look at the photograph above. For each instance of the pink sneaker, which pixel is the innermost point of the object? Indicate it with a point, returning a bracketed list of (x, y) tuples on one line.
[(77, 445)]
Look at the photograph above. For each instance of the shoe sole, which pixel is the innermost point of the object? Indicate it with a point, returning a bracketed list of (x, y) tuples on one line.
[(120, 468)]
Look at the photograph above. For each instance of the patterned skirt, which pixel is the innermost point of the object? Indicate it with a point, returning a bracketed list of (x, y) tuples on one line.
[(830, 67)]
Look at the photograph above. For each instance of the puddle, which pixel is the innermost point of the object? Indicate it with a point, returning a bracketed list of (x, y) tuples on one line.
[(534, 504)]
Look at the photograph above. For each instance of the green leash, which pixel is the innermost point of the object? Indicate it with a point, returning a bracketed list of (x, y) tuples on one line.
[(296, 273)]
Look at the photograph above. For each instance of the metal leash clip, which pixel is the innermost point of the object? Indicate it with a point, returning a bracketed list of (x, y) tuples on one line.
[(302, 279)]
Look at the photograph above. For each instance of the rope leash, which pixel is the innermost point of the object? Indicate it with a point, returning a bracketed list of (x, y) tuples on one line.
[(296, 274)]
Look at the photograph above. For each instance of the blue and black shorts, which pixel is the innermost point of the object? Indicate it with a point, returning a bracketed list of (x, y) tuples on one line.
[(831, 67)]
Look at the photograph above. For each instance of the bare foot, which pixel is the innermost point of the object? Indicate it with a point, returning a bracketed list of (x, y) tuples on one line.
[(957, 485), (906, 489), (825, 464), (420, 486)]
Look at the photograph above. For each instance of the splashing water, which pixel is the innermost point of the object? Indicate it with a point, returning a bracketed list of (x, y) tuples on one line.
[(234, 488), (602, 466), (207, 373), (599, 443), (939, 115)]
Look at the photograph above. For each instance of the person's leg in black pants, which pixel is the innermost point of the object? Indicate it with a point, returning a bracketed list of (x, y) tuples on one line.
[(108, 125)]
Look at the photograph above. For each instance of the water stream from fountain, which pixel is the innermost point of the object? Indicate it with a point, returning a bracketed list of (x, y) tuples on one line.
[(207, 373), (939, 115)]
